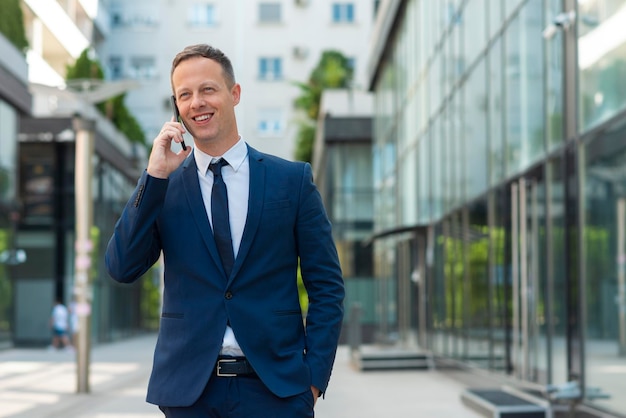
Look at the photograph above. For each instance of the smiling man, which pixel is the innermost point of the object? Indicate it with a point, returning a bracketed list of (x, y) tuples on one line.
[(233, 225)]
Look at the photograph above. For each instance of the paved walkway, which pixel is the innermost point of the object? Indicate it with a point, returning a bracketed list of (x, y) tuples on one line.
[(38, 383)]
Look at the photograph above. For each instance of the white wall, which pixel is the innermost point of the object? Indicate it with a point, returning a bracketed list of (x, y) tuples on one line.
[(244, 39)]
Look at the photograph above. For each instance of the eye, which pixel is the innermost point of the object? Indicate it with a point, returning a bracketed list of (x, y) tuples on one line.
[(209, 89)]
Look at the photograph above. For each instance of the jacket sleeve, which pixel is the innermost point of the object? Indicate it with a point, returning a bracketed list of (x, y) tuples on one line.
[(135, 245), (322, 277)]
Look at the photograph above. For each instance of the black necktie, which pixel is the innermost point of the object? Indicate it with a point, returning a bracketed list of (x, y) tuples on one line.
[(219, 213)]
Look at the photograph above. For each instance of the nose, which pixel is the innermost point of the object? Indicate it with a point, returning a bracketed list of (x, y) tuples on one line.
[(197, 101)]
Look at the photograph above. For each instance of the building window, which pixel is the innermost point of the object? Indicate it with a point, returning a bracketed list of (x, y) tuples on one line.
[(270, 122), (269, 12), (137, 17), (202, 15), (115, 67), (343, 12), (142, 67), (270, 68), (351, 63), (116, 19)]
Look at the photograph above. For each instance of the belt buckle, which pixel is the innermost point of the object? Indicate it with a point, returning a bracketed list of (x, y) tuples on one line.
[(219, 366)]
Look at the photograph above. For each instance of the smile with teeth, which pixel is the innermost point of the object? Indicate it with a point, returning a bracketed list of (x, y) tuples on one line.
[(202, 118)]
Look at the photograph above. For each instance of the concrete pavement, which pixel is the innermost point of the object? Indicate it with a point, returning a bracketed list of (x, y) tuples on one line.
[(39, 383)]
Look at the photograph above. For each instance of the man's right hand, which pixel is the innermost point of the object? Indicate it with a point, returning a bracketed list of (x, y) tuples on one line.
[(163, 161)]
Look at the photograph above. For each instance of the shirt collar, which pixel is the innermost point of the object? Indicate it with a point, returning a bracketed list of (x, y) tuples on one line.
[(235, 156)]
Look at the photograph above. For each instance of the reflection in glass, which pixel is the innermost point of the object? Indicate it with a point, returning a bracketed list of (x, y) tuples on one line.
[(605, 241), (601, 60)]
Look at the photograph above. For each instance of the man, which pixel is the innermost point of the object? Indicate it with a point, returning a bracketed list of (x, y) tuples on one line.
[(232, 340)]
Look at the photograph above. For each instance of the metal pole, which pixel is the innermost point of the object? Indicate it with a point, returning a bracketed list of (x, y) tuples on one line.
[(515, 279), (84, 220), (621, 274), (523, 272)]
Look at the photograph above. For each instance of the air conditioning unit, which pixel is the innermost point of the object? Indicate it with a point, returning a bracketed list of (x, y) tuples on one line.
[(300, 52)]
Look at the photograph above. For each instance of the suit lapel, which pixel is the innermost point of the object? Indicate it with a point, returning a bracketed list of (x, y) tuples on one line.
[(196, 205), (255, 205)]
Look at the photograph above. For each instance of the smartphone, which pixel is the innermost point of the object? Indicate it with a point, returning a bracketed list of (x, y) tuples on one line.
[(177, 117)]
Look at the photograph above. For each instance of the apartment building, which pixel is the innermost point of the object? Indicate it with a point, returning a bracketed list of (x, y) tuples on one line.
[(271, 43)]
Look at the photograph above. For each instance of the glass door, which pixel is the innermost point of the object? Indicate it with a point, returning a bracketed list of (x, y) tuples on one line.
[(407, 267)]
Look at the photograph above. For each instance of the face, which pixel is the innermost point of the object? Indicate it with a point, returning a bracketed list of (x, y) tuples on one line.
[(206, 104)]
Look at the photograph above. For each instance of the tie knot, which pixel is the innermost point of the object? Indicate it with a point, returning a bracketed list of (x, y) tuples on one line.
[(216, 167)]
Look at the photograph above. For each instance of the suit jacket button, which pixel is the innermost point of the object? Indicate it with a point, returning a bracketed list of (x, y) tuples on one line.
[(229, 295)]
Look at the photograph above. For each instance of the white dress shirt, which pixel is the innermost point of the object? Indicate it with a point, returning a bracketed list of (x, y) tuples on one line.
[(236, 176)]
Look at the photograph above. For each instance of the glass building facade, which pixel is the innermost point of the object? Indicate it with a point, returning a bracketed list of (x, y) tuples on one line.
[(499, 169), (9, 119), (342, 168), (15, 102), (46, 232)]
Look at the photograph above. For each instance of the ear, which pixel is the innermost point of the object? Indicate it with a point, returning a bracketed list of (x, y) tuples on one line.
[(235, 91)]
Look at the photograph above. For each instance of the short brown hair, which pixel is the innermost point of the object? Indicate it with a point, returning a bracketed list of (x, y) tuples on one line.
[(206, 51)]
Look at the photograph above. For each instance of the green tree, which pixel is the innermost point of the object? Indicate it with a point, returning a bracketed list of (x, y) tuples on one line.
[(12, 23), (332, 71), (84, 68), (114, 108)]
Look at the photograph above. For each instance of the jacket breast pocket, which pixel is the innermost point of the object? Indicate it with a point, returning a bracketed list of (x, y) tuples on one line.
[(277, 204)]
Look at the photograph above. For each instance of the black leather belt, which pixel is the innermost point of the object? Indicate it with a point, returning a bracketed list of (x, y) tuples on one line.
[(233, 367)]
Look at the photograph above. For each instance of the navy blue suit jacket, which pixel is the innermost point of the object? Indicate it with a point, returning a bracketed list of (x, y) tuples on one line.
[(286, 223)]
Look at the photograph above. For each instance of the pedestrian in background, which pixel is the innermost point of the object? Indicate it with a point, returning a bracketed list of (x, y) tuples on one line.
[(234, 225), (59, 322)]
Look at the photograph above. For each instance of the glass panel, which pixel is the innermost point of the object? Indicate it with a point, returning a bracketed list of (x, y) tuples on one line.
[(601, 59), (351, 178), (501, 276), (446, 164), (427, 25), (524, 89), (605, 261), (456, 150), (495, 16), (537, 280), (8, 213), (6, 288), (435, 85), (475, 129), (474, 20), (476, 293), (437, 168), (385, 291), (8, 156), (497, 158), (510, 6), (436, 292), (554, 81), (454, 61), (424, 191), (408, 187), (454, 279), (556, 300)]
